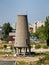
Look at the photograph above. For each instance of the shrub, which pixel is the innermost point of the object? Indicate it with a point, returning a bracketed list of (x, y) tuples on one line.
[(47, 57), (37, 46), (3, 53), (1, 47), (45, 46), (5, 46), (11, 47)]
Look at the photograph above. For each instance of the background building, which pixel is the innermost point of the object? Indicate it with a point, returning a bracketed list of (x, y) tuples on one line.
[(30, 28), (36, 25), (1, 32)]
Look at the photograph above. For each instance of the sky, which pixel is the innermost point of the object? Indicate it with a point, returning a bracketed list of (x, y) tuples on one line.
[(35, 9)]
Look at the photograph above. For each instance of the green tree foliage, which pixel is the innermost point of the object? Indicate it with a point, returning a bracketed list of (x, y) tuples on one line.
[(40, 33), (6, 38), (6, 29), (47, 30), (31, 34), (43, 31)]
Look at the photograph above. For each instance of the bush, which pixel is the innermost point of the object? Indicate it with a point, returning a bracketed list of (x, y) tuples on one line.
[(11, 47), (5, 46), (47, 57), (1, 47), (37, 46), (3, 53), (45, 46)]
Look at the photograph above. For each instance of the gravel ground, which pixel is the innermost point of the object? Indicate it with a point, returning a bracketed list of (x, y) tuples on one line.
[(26, 59)]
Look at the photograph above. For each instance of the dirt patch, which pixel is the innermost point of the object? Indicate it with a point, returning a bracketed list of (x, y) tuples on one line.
[(26, 59)]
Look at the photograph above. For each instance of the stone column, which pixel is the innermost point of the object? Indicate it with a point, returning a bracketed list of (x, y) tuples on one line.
[(20, 50), (14, 50), (17, 51), (26, 50), (29, 50)]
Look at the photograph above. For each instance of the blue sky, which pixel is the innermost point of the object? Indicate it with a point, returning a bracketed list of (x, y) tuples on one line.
[(35, 9)]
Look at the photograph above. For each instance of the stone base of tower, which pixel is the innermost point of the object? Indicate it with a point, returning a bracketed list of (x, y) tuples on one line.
[(22, 51)]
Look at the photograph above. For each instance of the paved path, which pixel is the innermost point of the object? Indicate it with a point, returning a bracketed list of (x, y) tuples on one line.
[(7, 62)]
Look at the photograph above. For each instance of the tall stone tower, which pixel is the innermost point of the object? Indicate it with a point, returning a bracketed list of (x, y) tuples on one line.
[(22, 40)]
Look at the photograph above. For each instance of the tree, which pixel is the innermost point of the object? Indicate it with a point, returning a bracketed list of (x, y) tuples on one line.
[(5, 38), (40, 33), (43, 31), (47, 29), (6, 29)]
